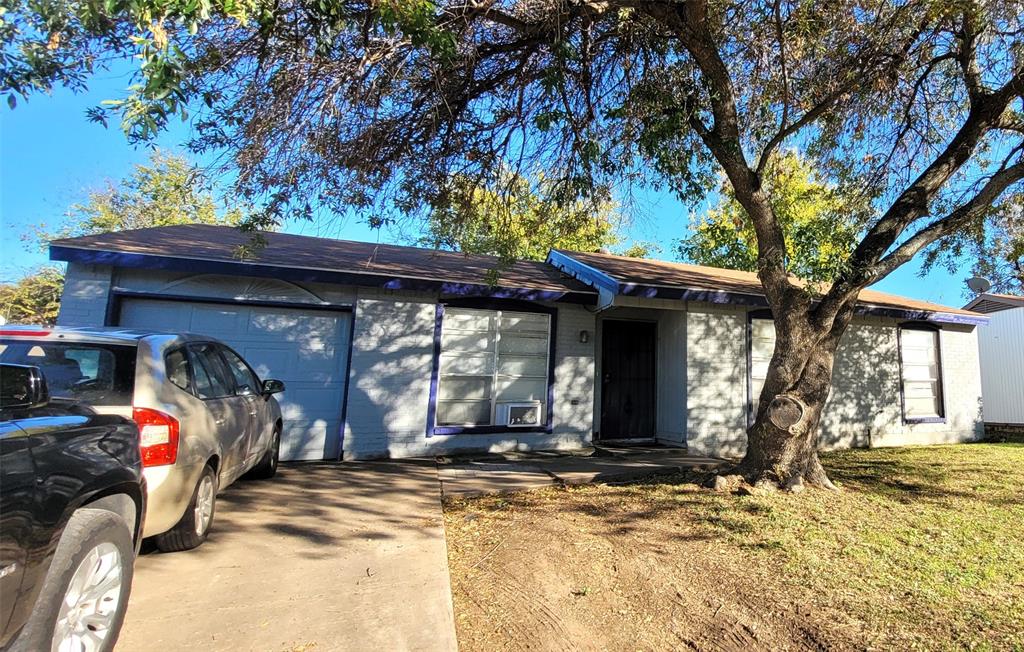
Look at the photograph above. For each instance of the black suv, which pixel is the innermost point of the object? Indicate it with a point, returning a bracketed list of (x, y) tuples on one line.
[(72, 503)]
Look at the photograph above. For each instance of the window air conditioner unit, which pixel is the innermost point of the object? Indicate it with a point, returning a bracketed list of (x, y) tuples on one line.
[(519, 415)]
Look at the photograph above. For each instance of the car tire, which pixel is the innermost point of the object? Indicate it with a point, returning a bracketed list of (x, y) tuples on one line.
[(92, 568), (266, 468), (193, 528)]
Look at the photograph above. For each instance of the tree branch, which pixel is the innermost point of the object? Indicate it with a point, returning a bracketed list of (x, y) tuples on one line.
[(913, 201), (953, 222)]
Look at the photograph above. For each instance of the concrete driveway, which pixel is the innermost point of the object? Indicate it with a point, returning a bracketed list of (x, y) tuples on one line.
[(323, 557)]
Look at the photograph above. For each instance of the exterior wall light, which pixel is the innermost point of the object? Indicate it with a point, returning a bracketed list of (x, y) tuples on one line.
[(584, 337)]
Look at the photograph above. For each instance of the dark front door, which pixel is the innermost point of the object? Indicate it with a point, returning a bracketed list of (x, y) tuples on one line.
[(627, 379)]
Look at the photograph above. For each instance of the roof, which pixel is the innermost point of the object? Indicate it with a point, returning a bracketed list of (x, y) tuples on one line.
[(214, 249), (991, 302), (656, 278)]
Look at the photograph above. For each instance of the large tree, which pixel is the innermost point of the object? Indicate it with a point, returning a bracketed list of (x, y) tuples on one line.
[(819, 224), (167, 189), (33, 299), (377, 104), (514, 221)]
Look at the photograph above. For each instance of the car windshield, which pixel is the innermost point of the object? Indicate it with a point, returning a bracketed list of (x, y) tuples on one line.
[(98, 374)]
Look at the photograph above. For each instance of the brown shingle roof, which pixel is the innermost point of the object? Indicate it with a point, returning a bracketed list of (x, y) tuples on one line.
[(646, 272), (202, 242)]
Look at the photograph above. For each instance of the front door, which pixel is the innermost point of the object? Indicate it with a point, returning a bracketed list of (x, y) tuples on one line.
[(627, 379)]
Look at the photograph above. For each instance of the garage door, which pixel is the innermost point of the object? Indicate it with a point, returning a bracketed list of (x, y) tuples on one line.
[(307, 349)]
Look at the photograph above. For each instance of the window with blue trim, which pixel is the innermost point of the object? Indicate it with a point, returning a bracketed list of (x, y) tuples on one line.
[(493, 368), (921, 367)]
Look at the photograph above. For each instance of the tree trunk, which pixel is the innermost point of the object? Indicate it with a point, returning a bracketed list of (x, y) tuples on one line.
[(782, 443)]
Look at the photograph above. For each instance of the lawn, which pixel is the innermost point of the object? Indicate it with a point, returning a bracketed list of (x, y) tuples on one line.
[(922, 549)]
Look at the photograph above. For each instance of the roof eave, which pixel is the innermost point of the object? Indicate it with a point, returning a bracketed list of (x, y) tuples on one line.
[(606, 282), (91, 256)]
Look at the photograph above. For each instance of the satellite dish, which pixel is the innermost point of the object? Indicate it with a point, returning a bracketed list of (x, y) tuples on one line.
[(979, 285)]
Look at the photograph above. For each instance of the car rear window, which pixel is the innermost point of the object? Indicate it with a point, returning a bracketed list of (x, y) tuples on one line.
[(98, 374)]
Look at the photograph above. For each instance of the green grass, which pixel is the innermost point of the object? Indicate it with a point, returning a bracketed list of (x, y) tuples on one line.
[(925, 544)]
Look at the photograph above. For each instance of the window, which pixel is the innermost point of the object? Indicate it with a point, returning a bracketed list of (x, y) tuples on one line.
[(762, 345), (246, 381), (493, 363), (921, 369), (100, 374), (176, 363), (212, 378)]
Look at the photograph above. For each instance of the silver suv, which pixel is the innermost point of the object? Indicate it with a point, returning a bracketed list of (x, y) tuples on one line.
[(205, 418)]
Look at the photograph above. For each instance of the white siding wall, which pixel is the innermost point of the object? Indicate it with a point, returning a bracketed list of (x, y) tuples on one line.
[(1002, 366)]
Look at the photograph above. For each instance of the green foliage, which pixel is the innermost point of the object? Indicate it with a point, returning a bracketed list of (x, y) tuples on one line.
[(641, 250), (33, 299), (45, 43), (820, 224), (514, 222), (166, 190)]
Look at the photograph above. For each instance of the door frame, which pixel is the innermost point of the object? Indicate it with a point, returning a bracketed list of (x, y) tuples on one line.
[(599, 375)]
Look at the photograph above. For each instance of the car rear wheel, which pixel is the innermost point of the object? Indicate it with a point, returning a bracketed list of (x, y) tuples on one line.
[(191, 531), (85, 595), (267, 466)]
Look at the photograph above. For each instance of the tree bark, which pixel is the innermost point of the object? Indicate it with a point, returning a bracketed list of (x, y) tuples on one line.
[(782, 443)]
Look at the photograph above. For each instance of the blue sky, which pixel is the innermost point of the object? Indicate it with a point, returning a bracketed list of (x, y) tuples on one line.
[(51, 157)]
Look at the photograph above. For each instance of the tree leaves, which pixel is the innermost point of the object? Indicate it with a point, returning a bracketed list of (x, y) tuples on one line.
[(819, 222)]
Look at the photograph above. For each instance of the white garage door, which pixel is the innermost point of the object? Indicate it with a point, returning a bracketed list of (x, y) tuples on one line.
[(307, 349)]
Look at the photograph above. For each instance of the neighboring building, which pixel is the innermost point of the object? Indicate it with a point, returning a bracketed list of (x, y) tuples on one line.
[(392, 351), (1001, 342)]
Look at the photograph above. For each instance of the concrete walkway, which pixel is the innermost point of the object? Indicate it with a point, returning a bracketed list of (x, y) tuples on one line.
[(324, 557), (465, 478)]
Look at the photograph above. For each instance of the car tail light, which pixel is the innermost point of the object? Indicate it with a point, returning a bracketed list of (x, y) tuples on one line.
[(24, 333), (158, 436)]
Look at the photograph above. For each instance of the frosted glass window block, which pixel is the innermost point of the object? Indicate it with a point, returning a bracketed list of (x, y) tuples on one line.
[(490, 357), (922, 373), (463, 413)]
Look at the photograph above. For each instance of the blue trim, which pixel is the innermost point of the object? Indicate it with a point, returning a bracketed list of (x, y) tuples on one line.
[(583, 272), (489, 430), (348, 382), (435, 371), (299, 274)]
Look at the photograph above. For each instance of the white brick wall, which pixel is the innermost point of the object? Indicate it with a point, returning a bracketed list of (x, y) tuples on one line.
[(864, 408), (392, 360), (716, 380), (86, 289)]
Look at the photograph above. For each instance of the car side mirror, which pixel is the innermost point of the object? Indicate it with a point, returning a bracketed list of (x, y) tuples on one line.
[(271, 386), (22, 387)]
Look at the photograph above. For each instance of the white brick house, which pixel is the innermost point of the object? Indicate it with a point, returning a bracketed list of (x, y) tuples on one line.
[(396, 351)]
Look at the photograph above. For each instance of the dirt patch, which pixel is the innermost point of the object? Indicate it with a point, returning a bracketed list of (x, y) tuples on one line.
[(575, 570), (667, 564)]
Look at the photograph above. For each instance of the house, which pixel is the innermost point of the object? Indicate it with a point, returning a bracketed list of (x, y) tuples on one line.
[(392, 351), (1001, 343)]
